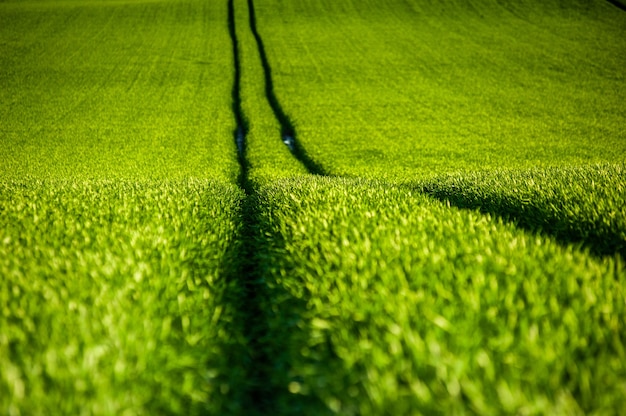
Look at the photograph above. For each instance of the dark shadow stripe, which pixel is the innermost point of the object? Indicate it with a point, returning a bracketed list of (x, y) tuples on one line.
[(240, 118), (618, 4), (288, 131), (265, 315), (256, 395), (536, 218)]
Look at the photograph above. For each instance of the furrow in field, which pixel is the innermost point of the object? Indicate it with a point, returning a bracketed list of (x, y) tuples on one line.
[(264, 361), (288, 131), (251, 318), (240, 119), (267, 314), (265, 156)]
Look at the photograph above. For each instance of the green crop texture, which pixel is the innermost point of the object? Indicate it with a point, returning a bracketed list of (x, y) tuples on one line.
[(573, 203), (355, 207), (96, 89), (113, 296), (267, 156), (398, 304), (119, 210), (415, 88)]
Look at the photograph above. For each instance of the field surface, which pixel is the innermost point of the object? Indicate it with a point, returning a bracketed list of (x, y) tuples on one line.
[(407, 89), (119, 208), (312, 207)]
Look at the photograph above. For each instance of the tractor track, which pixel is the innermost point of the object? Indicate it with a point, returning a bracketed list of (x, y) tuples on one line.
[(288, 131), (263, 356), (257, 394)]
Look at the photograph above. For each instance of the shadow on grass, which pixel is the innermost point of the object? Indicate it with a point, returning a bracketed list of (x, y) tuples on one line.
[(269, 318), (263, 321), (618, 3), (594, 235), (263, 316)]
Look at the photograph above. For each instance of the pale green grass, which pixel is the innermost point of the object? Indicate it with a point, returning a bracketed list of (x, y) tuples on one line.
[(116, 89), (119, 210)]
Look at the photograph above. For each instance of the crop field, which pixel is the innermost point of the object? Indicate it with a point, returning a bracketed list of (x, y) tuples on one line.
[(312, 207)]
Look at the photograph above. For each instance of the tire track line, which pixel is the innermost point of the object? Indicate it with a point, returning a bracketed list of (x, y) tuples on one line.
[(288, 131), (259, 393)]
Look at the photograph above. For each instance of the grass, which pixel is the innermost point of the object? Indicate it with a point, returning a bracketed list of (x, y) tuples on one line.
[(119, 210), (95, 90), (267, 156), (463, 253), (115, 296), (415, 89), (398, 304), (572, 203)]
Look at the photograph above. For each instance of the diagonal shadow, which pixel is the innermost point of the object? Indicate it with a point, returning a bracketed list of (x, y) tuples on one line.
[(618, 4), (535, 216)]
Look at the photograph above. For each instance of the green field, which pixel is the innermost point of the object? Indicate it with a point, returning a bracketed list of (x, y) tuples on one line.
[(406, 89), (312, 207)]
